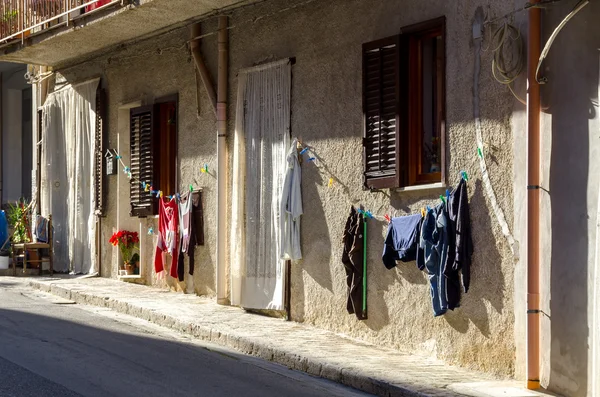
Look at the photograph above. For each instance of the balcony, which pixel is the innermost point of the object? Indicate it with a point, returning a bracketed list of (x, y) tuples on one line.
[(60, 32)]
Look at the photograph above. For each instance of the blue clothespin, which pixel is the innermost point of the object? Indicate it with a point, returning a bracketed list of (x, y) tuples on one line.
[(118, 157), (150, 231), (158, 194), (303, 151), (169, 197), (447, 195), (312, 159), (178, 196), (369, 214), (428, 209)]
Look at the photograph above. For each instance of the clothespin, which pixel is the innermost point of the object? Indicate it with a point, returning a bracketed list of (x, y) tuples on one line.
[(422, 212), (118, 157), (177, 196), (161, 194), (146, 187), (465, 176), (191, 188), (330, 184), (303, 151), (428, 209), (204, 169), (158, 194), (129, 175), (368, 214), (387, 218), (311, 159), (170, 197), (479, 152), (443, 199), (150, 231), (447, 195), (126, 170)]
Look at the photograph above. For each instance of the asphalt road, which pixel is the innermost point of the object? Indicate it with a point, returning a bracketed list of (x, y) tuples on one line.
[(52, 347)]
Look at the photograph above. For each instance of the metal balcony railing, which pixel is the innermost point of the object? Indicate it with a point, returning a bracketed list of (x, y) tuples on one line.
[(21, 18)]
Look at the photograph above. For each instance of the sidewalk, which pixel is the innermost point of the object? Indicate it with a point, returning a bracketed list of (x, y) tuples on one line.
[(373, 369)]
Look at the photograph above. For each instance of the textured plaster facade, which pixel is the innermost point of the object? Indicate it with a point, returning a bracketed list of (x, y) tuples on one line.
[(326, 38), (570, 282)]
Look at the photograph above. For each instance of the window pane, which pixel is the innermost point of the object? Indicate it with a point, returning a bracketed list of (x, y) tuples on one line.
[(431, 49)]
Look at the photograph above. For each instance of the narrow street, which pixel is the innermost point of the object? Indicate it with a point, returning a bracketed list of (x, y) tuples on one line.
[(52, 347)]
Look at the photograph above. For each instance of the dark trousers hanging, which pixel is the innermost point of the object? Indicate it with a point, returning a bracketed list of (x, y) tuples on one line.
[(352, 258)]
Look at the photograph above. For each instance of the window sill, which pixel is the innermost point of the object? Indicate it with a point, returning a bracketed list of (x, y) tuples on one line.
[(420, 188), (130, 277)]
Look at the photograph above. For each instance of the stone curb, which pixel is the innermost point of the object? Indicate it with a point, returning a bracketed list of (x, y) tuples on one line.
[(242, 344)]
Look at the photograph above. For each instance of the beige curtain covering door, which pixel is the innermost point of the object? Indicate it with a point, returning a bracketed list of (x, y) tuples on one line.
[(262, 138), (67, 175)]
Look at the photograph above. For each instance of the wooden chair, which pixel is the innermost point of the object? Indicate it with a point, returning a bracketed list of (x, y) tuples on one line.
[(20, 250)]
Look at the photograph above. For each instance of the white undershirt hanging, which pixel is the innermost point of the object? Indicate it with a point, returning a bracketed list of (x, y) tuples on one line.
[(262, 137), (291, 207)]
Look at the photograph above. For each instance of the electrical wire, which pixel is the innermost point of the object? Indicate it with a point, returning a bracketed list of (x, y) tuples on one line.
[(256, 19), (508, 40), (548, 45), (527, 6)]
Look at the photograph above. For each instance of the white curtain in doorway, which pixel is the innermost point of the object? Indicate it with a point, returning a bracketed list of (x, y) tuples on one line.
[(67, 174), (262, 137)]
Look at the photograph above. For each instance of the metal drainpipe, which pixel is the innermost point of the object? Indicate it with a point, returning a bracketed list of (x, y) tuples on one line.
[(223, 45), (533, 201)]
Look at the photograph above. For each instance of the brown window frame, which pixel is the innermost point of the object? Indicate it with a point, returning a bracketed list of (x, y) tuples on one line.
[(163, 154), (409, 116)]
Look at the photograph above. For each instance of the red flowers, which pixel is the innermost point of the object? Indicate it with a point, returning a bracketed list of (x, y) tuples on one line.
[(127, 242)]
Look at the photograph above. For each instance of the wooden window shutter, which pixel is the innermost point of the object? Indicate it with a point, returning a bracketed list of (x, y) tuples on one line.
[(100, 145), (381, 108), (143, 203)]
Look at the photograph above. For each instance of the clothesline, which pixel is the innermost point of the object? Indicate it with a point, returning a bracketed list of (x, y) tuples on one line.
[(148, 187), (369, 214)]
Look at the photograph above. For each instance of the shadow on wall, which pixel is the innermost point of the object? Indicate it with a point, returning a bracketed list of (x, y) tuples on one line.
[(487, 279), (320, 241), (379, 278), (570, 93)]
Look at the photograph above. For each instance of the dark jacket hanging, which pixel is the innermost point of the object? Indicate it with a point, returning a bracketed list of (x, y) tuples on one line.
[(192, 229), (352, 258), (461, 245)]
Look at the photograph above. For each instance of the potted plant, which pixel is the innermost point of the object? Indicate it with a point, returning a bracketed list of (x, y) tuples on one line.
[(19, 222), (433, 154), (11, 24), (128, 243)]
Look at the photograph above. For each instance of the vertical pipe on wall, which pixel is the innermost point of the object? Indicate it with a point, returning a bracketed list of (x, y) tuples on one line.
[(533, 201), (222, 161)]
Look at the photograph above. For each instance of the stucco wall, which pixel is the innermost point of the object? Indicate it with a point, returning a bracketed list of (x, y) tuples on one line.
[(570, 351), (326, 38)]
